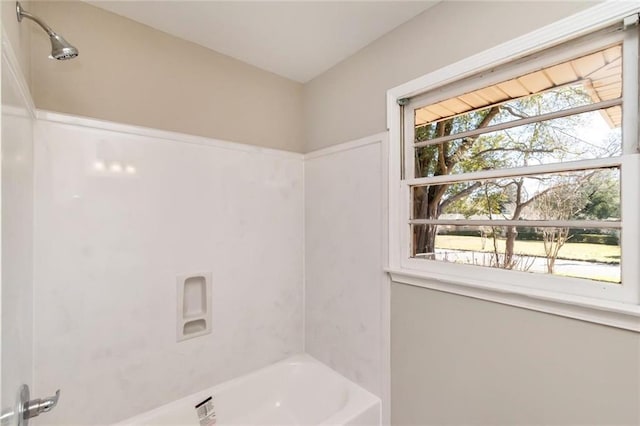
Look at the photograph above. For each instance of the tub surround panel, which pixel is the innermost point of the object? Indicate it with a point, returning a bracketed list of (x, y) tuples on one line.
[(343, 260), (16, 264), (118, 217)]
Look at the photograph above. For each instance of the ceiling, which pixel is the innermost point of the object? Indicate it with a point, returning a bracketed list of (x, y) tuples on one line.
[(295, 39)]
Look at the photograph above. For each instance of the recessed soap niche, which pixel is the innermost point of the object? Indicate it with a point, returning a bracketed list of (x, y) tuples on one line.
[(194, 305)]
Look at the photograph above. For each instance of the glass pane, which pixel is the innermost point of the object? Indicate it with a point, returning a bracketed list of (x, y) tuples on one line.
[(592, 254), (580, 81), (578, 137), (546, 102), (580, 195)]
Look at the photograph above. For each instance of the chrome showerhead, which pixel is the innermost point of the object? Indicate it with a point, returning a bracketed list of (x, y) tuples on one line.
[(61, 49)]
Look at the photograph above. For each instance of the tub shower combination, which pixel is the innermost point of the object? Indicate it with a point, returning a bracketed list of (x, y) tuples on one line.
[(297, 391)]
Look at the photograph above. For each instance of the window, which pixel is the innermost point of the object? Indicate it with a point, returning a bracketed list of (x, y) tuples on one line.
[(524, 177)]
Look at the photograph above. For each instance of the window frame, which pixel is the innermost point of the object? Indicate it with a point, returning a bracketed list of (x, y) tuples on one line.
[(617, 305)]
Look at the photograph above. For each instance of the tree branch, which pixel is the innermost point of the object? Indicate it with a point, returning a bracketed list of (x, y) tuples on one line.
[(514, 112), (459, 195), (524, 150), (540, 194), (468, 142)]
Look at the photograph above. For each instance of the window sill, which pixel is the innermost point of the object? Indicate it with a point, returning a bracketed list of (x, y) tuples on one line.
[(613, 314)]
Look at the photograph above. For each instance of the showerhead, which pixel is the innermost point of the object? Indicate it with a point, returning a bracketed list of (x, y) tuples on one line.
[(60, 48)]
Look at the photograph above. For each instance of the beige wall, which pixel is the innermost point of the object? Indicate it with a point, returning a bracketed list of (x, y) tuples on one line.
[(130, 73), (349, 101), (457, 360), (18, 34)]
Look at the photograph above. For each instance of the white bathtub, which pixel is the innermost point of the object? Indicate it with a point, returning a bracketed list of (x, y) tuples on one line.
[(297, 391)]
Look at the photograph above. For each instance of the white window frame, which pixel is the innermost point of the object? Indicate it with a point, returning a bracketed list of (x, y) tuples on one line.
[(615, 305)]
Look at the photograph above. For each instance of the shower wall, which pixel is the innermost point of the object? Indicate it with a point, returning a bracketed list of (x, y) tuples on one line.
[(16, 216), (120, 212), (345, 286)]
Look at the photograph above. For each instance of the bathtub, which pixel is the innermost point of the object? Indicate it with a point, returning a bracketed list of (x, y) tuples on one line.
[(296, 391)]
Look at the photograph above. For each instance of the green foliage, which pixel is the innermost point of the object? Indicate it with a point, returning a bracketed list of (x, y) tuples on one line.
[(603, 200)]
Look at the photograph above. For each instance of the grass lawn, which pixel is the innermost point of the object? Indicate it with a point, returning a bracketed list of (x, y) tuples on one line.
[(574, 251)]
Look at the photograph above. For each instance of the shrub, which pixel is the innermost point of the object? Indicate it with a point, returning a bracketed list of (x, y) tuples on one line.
[(608, 239), (530, 234)]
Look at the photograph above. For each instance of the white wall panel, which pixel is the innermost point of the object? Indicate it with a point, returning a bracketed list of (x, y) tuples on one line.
[(17, 233), (110, 243), (343, 261)]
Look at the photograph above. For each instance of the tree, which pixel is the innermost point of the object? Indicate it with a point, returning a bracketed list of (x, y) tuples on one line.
[(587, 195), (603, 198), (563, 202), (438, 160)]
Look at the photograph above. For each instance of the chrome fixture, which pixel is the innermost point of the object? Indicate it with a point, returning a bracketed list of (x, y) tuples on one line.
[(61, 49), (35, 407), (26, 409)]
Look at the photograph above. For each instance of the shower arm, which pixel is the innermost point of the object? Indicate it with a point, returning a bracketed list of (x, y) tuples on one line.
[(24, 14), (61, 49)]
